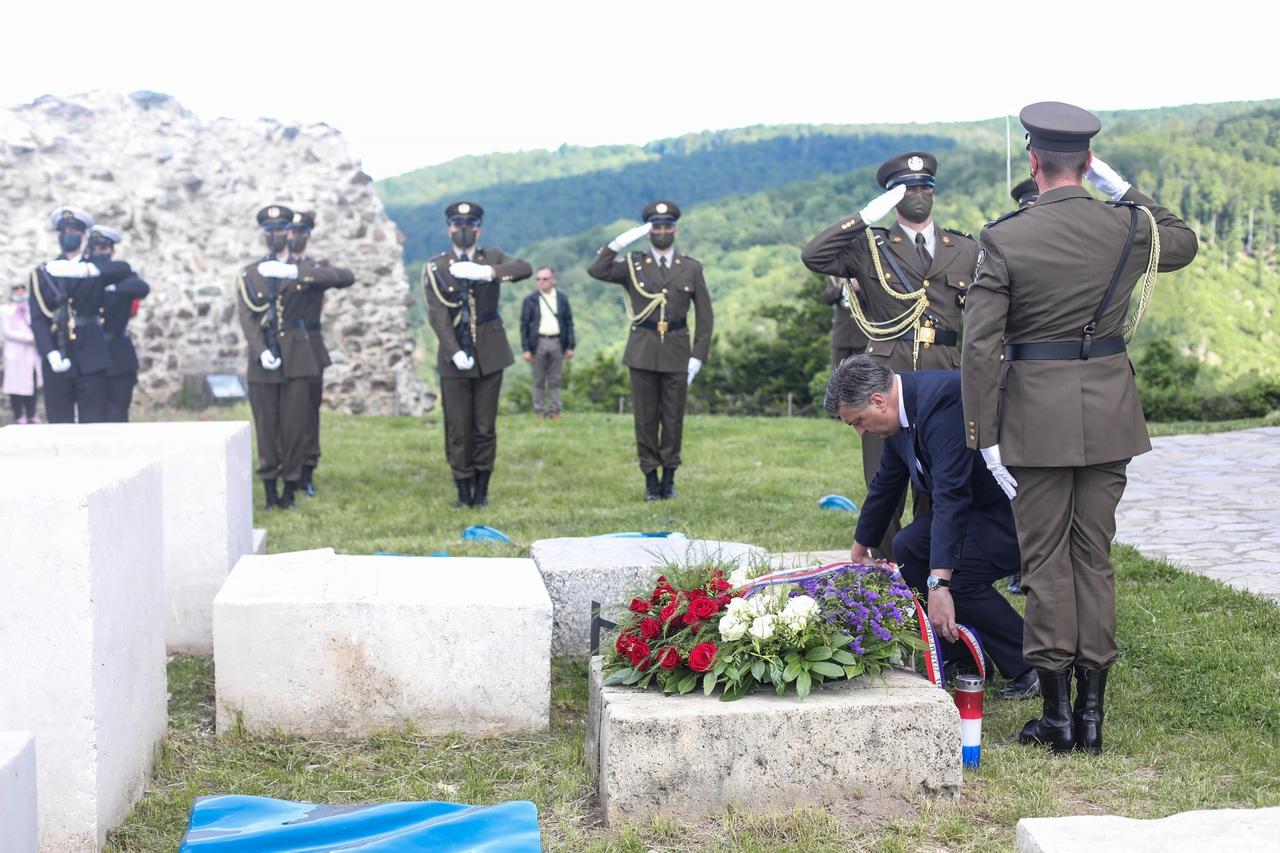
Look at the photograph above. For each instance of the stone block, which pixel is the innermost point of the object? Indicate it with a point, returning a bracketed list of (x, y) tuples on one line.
[(316, 643), (578, 571), (1237, 830), (259, 541), (82, 657), (206, 471), (18, 792), (690, 756)]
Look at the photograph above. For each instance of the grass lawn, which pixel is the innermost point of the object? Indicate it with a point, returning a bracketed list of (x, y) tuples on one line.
[(1192, 715)]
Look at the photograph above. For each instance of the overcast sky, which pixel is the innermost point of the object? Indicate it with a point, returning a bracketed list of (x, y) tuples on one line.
[(416, 87)]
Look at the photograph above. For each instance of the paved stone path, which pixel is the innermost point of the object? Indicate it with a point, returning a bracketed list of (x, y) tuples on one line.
[(1210, 504)]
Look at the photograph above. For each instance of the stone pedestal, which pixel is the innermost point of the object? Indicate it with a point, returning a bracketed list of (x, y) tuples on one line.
[(314, 643), (207, 502), (578, 571), (18, 792), (690, 756), (1236, 830), (82, 658)]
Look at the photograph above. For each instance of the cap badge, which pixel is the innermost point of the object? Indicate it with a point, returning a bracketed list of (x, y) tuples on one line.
[(661, 207), (915, 164), (464, 208), (66, 214), (297, 217), (273, 212)]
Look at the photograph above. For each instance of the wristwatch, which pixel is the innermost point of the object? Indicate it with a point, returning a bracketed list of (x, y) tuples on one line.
[(934, 582)]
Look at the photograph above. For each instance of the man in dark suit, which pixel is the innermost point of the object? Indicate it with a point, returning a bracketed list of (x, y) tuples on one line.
[(546, 336), (965, 541), (118, 302)]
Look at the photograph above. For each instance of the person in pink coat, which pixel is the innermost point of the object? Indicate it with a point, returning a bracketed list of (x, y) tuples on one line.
[(21, 360)]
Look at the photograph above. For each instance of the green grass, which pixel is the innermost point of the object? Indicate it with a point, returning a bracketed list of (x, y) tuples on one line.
[(1192, 720), (1189, 427)]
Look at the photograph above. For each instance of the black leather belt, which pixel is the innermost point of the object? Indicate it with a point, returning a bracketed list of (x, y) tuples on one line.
[(488, 317), (1063, 350), (673, 326), (557, 337), (941, 337)]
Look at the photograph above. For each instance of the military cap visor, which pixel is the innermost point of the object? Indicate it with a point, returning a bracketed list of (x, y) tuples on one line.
[(64, 216), (302, 220), (910, 169), (464, 209), (666, 212), (102, 232), (1055, 126), (1025, 190), (274, 216)]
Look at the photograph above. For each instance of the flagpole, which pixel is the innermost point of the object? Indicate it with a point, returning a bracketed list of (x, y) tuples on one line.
[(1008, 158)]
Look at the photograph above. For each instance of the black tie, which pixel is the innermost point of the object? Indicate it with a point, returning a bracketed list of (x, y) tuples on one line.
[(465, 256), (925, 257), (663, 262)]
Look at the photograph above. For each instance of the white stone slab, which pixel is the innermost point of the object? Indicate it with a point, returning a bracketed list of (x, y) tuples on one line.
[(208, 510), (259, 541), (18, 792), (82, 657), (1237, 830), (691, 756), (578, 571), (314, 643)]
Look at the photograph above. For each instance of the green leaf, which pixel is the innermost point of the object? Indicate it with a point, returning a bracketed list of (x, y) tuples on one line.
[(758, 670), (669, 685), (818, 653), (709, 683), (803, 683), (792, 657), (633, 676), (841, 641), (829, 669), (854, 670), (840, 656), (733, 673), (790, 673), (686, 683), (618, 676), (775, 672)]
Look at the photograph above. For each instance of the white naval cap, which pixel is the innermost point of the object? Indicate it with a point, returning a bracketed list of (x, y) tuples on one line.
[(108, 233), (67, 214)]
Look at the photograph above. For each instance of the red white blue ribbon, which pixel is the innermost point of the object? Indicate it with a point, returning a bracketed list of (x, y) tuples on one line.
[(784, 576)]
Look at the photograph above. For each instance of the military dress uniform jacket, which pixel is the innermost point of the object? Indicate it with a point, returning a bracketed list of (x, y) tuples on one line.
[(319, 276), (81, 324), (845, 331), (295, 347), (683, 287), (117, 307), (1042, 274), (446, 297), (842, 250)]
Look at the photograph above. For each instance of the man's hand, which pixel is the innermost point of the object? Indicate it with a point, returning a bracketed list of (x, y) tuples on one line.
[(63, 268), (57, 363), (626, 238), (568, 355), (528, 356), (695, 364), (942, 613), (1008, 485), (882, 204), (462, 361), (859, 553), (471, 270), (1106, 179), (269, 361), (277, 269)]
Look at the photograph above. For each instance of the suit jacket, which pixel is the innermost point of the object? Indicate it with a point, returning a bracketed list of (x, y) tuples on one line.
[(684, 287), (956, 479), (845, 331), (117, 307), (1043, 273), (445, 298), (531, 314), (319, 276), (84, 301), (296, 350)]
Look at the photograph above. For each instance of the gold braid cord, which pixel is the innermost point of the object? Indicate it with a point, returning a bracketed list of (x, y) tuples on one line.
[(1148, 280), (888, 330), (471, 300), (35, 288), (657, 301), (244, 295)]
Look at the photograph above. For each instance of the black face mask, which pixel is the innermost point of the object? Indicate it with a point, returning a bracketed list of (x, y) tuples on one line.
[(275, 240), (464, 237), (69, 241), (662, 240), (298, 243), (916, 207), (99, 257)]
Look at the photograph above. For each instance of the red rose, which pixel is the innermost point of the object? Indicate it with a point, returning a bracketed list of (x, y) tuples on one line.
[(650, 628), (724, 599), (639, 605), (703, 607), (669, 611), (702, 657), (624, 643), (669, 658), (719, 584), (690, 619), (695, 594), (661, 591), (638, 652), (662, 578)]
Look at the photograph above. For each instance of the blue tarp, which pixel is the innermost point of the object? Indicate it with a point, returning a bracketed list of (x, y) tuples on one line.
[(231, 823)]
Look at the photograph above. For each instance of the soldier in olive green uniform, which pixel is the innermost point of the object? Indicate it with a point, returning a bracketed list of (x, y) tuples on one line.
[(847, 337), (462, 287), (322, 277), (1049, 392), (913, 277), (282, 362), (661, 286)]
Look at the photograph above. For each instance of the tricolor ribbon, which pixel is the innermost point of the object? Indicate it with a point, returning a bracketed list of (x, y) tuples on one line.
[(933, 668)]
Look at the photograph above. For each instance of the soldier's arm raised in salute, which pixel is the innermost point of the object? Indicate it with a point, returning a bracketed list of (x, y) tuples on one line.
[(607, 266), (838, 250)]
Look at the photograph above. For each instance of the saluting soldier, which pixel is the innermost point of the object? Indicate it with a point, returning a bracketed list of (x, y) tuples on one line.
[(282, 362), (462, 288), (118, 305), (322, 276), (847, 337), (913, 278), (661, 286), (67, 323), (1049, 392)]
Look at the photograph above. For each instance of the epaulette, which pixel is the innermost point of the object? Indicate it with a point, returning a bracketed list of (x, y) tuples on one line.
[(959, 233), (1006, 216), (691, 258)]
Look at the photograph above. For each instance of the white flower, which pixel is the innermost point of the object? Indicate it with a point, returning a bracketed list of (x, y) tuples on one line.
[(737, 606), (762, 627), (800, 609), (732, 628), (739, 577)]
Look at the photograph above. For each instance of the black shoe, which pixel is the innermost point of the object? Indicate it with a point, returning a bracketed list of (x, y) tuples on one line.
[(1015, 584), (1025, 686), (464, 485), (287, 500), (652, 489), (1087, 715), (668, 483), (273, 493), (481, 495), (305, 483), (1054, 728)]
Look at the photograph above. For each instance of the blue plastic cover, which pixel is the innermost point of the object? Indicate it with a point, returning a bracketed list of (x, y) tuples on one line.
[(231, 822), (656, 534), (484, 533), (838, 502)]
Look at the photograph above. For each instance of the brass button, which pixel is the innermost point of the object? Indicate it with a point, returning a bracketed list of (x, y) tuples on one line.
[(664, 290), (926, 282)]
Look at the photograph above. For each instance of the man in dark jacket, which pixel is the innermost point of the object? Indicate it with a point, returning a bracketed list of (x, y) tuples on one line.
[(966, 540), (546, 336), (117, 308)]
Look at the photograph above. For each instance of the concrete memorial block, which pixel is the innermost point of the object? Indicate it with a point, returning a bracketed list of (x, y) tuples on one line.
[(18, 792), (690, 756), (578, 571), (208, 511), (82, 659), (1237, 830), (316, 643)]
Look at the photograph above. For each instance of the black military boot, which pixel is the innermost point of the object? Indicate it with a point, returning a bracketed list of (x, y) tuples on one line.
[(465, 485), (668, 483), (1053, 729), (652, 490), (273, 493), (306, 483), (287, 500), (481, 497), (1091, 684)]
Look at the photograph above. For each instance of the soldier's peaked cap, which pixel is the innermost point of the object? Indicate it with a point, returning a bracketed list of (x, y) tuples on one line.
[(1025, 190), (66, 215), (274, 214), (106, 233), (661, 211), (910, 168), (464, 208), (1055, 126), (303, 219)]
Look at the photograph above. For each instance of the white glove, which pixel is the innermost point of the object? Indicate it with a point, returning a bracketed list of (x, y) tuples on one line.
[(694, 366), (63, 268), (110, 288), (991, 455), (277, 269), (57, 363), (626, 238), (882, 204), (471, 270), (269, 361), (1107, 179), (462, 361)]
